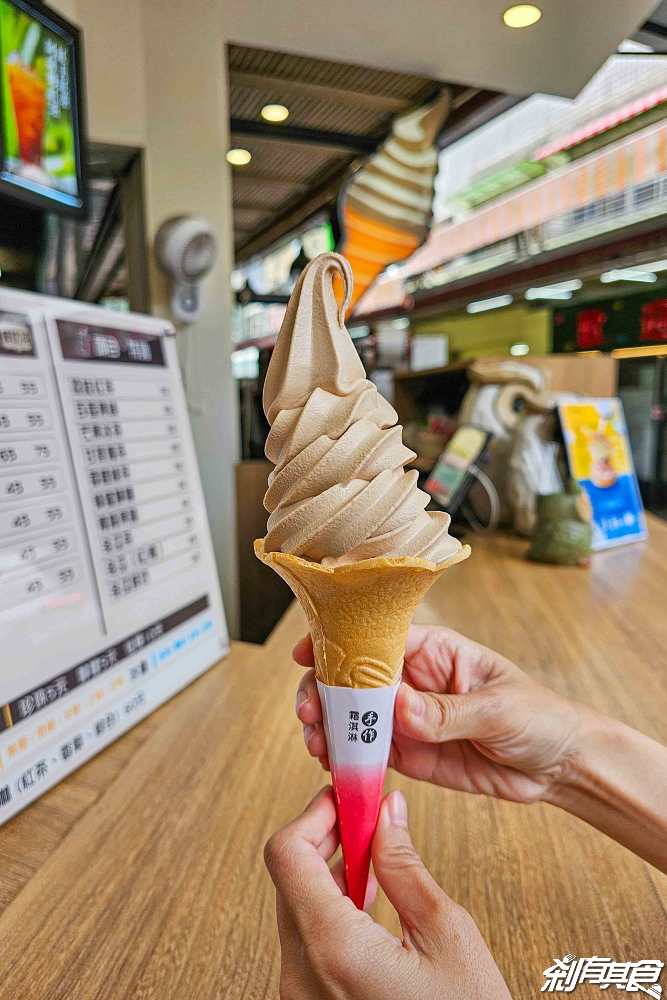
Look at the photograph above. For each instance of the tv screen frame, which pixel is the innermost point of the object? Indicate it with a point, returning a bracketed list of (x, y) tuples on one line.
[(38, 196)]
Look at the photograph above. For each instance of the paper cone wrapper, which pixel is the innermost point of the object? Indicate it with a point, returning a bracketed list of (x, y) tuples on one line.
[(358, 723), (358, 614)]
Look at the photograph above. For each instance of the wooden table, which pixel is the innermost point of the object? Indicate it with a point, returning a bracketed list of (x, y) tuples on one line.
[(141, 875)]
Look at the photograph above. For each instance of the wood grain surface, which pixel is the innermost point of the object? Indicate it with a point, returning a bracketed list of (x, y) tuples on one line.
[(140, 877)]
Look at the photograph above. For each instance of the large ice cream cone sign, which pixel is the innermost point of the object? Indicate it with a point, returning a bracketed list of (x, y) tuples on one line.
[(385, 209), (348, 532)]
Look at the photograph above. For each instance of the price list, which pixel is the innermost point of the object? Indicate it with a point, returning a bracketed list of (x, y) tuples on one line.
[(137, 481), (38, 542)]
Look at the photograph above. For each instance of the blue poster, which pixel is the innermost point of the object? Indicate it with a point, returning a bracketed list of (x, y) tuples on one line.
[(600, 459)]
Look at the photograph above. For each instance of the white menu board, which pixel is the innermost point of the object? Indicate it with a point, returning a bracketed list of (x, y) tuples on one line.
[(109, 597)]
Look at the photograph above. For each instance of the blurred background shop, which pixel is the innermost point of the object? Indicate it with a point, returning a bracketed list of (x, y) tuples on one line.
[(547, 243), (537, 232)]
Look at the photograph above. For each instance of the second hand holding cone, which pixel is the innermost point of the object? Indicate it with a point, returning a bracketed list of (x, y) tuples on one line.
[(358, 615), (349, 534)]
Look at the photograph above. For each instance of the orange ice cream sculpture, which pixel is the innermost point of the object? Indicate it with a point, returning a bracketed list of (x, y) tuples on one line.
[(348, 532), (386, 207)]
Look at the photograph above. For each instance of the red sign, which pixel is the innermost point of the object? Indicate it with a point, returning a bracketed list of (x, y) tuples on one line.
[(590, 328), (653, 323)]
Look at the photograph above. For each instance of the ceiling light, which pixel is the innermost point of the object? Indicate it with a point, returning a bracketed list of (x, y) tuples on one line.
[(627, 274), (238, 157), (483, 304), (356, 332), (518, 350), (547, 293), (274, 112), (559, 290), (656, 265), (521, 15)]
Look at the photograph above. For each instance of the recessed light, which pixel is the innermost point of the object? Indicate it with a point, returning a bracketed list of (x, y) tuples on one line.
[(518, 350), (495, 303), (627, 274), (274, 112), (559, 290), (521, 15), (239, 157)]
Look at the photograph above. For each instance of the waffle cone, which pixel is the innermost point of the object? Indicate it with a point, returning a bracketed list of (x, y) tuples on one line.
[(358, 613)]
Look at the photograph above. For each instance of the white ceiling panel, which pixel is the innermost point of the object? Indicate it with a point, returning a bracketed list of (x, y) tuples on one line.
[(462, 41)]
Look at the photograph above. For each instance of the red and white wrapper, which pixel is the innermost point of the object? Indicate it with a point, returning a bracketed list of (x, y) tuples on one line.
[(358, 723)]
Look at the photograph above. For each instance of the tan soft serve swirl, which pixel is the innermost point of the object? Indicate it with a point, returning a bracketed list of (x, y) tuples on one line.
[(338, 492)]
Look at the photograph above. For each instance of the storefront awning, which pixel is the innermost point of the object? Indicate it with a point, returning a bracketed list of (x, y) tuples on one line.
[(604, 124)]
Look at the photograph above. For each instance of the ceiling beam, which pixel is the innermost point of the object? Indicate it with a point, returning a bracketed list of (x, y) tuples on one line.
[(654, 28), (464, 96), (245, 206), (265, 181), (316, 91), (311, 136), (293, 217)]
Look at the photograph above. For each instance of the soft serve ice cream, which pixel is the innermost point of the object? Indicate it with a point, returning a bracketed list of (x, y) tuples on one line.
[(339, 492)]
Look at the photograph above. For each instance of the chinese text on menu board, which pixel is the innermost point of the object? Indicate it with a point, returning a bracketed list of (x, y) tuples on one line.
[(109, 600)]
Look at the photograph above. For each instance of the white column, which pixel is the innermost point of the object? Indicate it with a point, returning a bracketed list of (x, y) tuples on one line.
[(157, 78), (187, 119)]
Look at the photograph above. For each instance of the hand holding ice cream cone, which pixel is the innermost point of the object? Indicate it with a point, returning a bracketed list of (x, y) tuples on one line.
[(348, 531)]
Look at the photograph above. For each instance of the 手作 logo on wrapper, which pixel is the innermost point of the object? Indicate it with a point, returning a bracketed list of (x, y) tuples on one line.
[(358, 723), (633, 977)]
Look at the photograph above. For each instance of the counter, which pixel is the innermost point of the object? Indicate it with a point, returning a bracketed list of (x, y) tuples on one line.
[(141, 875)]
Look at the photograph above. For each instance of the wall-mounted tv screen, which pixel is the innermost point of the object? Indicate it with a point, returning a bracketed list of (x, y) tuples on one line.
[(41, 109)]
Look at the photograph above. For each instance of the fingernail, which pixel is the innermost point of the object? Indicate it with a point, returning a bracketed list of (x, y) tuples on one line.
[(308, 733), (416, 704), (301, 699), (398, 809)]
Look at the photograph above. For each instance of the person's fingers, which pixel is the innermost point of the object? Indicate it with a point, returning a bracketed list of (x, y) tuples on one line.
[(303, 652), (439, 659), (421, 904), (309, 712), (297, 857), (297, 978), (436, 718), (338, 875), (307, 704), (315, 740), (428, 639), (314, 830)]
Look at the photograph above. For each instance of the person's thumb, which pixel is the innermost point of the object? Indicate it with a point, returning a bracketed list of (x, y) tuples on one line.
[(425, 910), (435, 718)]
